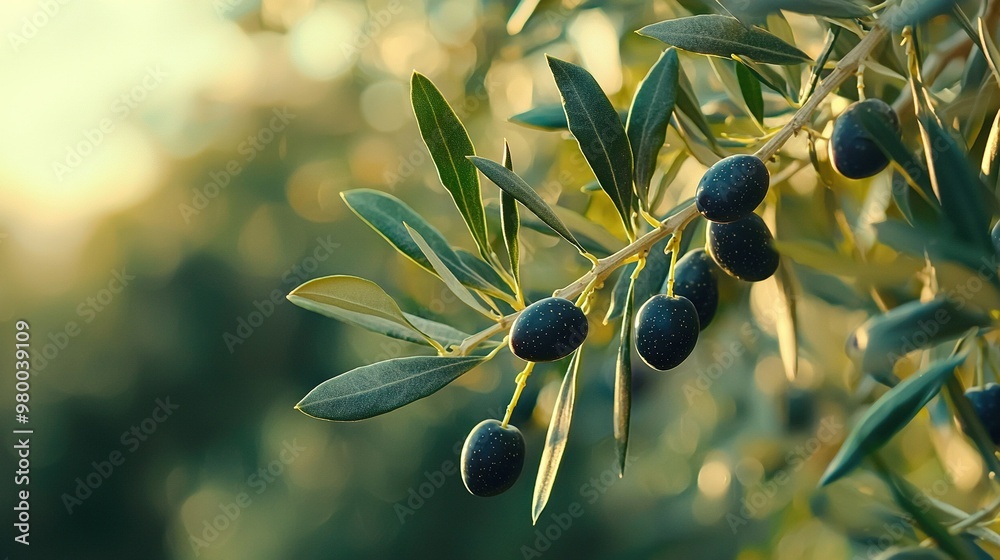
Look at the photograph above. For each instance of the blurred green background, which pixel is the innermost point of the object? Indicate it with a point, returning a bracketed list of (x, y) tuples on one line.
[(170, 169)]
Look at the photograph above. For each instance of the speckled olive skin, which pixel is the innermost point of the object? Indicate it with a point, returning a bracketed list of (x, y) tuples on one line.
[(694, 278), (492, 458), (666, 331), (548, 330), (732, 188), (852, 151), (986, 402), (744, 248)]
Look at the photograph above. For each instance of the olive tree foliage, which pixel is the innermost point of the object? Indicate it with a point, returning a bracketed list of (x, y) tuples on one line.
[(942, 147)]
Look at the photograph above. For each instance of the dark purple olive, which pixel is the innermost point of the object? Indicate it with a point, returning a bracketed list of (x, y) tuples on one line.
[(548, 330), (986, 403), (492, 458), (853, 152), (744, 248), (666, 331), (694, 278), (732, 188)]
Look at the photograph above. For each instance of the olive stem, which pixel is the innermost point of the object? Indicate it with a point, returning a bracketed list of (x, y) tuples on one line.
[(521, 380), (673, 246), (845, 68), (683, 214)]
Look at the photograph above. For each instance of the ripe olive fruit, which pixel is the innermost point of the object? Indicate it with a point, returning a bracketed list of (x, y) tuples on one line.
[(694, 278), (732, 188), (666, 331), (492, 458), (743, 248), (853, 152), (547, 330), (986, 403)]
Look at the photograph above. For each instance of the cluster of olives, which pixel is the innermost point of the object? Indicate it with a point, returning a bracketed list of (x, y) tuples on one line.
[(667, 325)]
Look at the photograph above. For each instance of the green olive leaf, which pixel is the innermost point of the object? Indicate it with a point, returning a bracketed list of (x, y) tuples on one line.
[(882, 340), (890, 413), (724, 36), (449, 144), (555, 438), (386, 214), (752, 94), (599, 132), (353, 299), (651, 109), (378, 388), (510, 222), (548, 117), (512, 184), (446, 274), (622, 412)]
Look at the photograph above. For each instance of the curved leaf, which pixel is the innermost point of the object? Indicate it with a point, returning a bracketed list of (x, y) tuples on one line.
[(829, 8), (599, 132), (724, 36), (378, 388), (449, 144), (511, 183), (651, 109), (510, 223), (421, 330), (882, 340), (555, 438), (622, 412), (355, 296), (752, 94), (446, 275), (548, 117), (386, 214), (888, 415)]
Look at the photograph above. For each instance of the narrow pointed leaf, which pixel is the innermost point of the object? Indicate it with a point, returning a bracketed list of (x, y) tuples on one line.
[(964, 199), (623, 382), (889, 143), (989, 48), (555, 438), (888, 415), (752, 95), (510, 222), (687, 103), (421, 330), (382, 387), (512, 184), (828, 8), (915, 503), (449, 145), (386, 214), (599, 132), (651, 109), (882, 340), (787, 321), (483, 270), (724, 36), (447, 276), (594, 238), (355, 296), (548, 117)]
